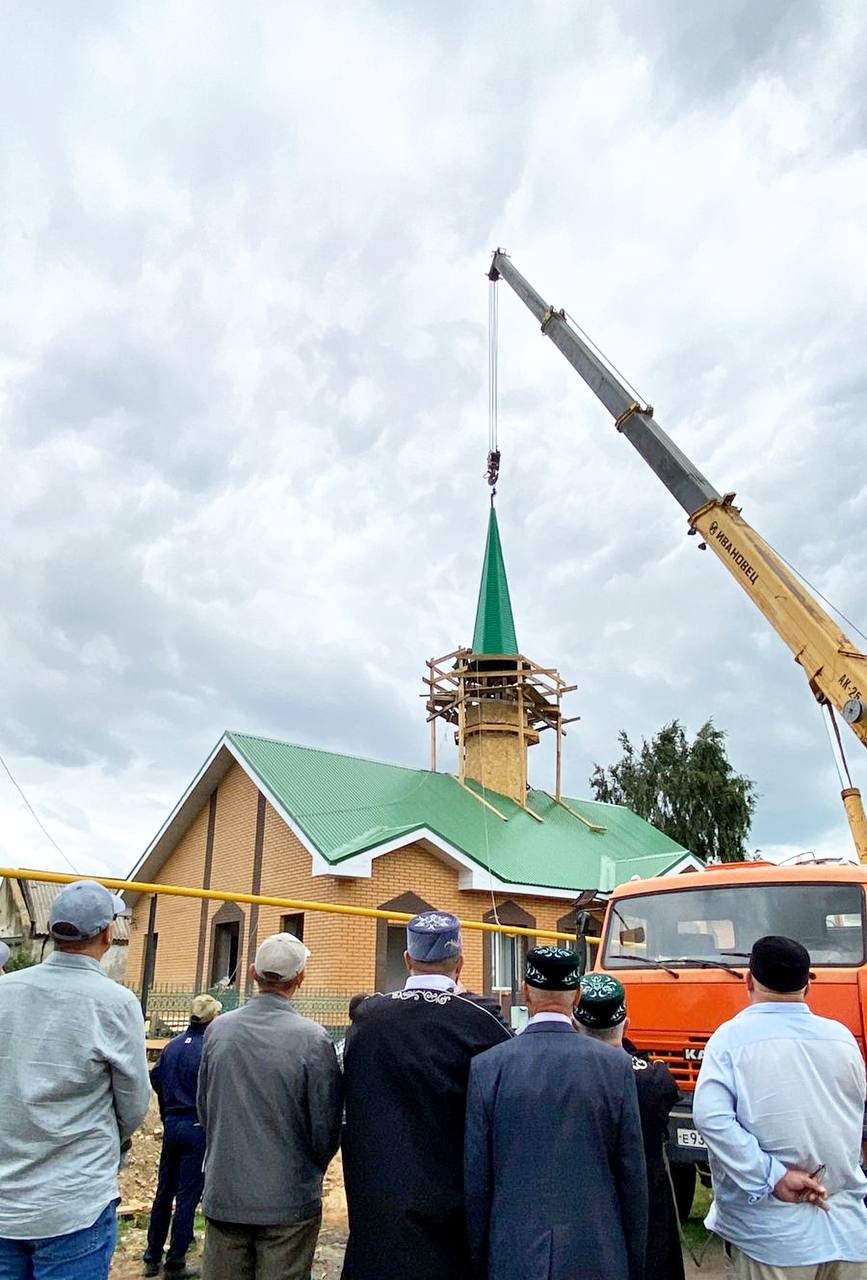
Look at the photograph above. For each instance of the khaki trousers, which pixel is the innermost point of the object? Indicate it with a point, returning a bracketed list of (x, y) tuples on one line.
[(237, 1252), (740, 1267)]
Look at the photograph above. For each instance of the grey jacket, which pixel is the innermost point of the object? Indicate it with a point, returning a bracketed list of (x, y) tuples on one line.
[(270, 1097)]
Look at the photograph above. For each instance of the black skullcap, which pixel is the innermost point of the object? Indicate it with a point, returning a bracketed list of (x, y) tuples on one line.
[(780, 964), (552, 969)]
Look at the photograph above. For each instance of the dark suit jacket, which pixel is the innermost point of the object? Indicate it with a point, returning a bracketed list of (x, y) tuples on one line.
[(554, 1178), (657, 1094)]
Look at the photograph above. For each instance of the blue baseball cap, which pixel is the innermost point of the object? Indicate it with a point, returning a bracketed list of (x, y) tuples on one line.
[(433, 936), (82, 910)]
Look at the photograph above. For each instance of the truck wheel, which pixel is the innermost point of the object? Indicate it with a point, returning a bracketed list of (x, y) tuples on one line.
[(683, 1177)]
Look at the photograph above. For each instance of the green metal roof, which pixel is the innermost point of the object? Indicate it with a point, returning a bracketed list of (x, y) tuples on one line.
[(346, 806), (495, 627)]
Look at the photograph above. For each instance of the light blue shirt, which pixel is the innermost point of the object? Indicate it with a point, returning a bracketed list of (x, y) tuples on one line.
[(73, 1085), (781, 1088)]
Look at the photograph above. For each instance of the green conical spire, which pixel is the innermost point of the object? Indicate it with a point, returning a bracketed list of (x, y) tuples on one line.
[(495, 626)]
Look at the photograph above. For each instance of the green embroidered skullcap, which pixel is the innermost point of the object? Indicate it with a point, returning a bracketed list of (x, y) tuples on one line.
[(552, 969), (603, 1002)]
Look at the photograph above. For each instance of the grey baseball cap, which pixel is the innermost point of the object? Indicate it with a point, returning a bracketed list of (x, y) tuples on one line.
[(82, 910)]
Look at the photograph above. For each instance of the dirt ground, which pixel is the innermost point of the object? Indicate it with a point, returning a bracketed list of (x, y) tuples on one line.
[(137, 1185), (138, 1182), (712, 1262)]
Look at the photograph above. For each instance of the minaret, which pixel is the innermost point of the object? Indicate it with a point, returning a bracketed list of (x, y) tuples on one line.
[(499, 699)]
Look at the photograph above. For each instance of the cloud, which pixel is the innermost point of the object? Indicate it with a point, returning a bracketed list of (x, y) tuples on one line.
[(242, 379)]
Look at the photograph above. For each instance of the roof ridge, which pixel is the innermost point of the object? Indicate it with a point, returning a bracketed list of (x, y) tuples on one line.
[(323, 751), (605, 804)]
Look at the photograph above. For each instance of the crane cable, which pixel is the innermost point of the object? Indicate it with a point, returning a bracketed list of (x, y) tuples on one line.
[(836, 735), (492, 475), (493, 471)]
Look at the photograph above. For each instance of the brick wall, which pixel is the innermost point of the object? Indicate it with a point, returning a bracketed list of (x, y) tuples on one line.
[(177, 918), (343, 949)]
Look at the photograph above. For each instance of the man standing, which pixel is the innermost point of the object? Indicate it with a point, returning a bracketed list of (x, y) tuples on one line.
[(601, 1014), (354, 1003), (780, 1104), (181, 1177), (270, 1098), (75, 1086), (555, 1184), (407, 1060)]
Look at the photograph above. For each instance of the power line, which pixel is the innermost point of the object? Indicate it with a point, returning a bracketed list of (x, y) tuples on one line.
[(35, 816)]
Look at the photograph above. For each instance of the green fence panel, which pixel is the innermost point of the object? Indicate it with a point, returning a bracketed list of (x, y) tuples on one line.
[(169, 1007)]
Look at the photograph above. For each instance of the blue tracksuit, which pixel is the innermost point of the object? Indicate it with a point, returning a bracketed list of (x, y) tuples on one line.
[(181, 1179)]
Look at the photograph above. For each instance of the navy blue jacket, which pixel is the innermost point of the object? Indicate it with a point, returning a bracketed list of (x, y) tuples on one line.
[(176, 1074), (554, 1177)]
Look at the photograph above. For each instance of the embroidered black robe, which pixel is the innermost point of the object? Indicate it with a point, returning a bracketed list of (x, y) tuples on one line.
[(407, 1063)]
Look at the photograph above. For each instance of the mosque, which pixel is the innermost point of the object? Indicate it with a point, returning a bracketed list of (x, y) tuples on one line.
[(268, 817)]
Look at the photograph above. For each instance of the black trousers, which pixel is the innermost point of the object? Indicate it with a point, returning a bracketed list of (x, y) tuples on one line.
[(180, 1183)]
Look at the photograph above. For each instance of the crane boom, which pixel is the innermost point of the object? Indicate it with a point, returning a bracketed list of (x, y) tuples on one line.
[(684, 481), (834, 666)]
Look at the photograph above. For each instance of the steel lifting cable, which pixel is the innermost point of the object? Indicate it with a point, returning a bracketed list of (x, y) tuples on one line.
[(493, 470), (816, 592), (839, 740), (609, 364)]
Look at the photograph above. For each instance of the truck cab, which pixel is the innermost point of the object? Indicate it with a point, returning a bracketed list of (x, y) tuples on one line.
[(681, 946)]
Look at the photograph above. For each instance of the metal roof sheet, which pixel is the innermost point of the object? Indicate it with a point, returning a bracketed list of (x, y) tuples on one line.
[(39, 896), (346, 805)]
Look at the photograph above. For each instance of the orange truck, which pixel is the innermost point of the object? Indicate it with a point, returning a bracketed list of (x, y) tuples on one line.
[(680, 946)]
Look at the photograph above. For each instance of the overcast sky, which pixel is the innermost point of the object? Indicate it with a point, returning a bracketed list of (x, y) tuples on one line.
[(243, 400)]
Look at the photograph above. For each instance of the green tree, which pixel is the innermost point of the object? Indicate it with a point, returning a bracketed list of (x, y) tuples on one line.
[(20, 959), (689, 790)]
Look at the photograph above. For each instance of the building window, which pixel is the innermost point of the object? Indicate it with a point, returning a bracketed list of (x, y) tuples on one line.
[(227, 941), (504, 956), (224, 954), (293, 924), (395, 969), (507, 962), (390, 972)]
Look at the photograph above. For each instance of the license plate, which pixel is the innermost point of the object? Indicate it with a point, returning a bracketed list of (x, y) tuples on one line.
[(690, 1138)]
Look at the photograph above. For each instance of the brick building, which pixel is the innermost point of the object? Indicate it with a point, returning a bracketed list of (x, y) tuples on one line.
[(277, 819)]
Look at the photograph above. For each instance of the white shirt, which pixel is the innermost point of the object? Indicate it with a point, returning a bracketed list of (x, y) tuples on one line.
[(546, 1017), (782, 1088), (430, 982)]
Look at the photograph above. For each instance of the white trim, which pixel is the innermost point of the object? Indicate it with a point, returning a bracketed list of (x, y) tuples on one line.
[(275, 804), (471, 876), (689, 862), (211, 764)]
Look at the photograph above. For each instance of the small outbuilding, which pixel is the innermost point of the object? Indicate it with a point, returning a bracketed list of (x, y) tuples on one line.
[(24, 911)]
